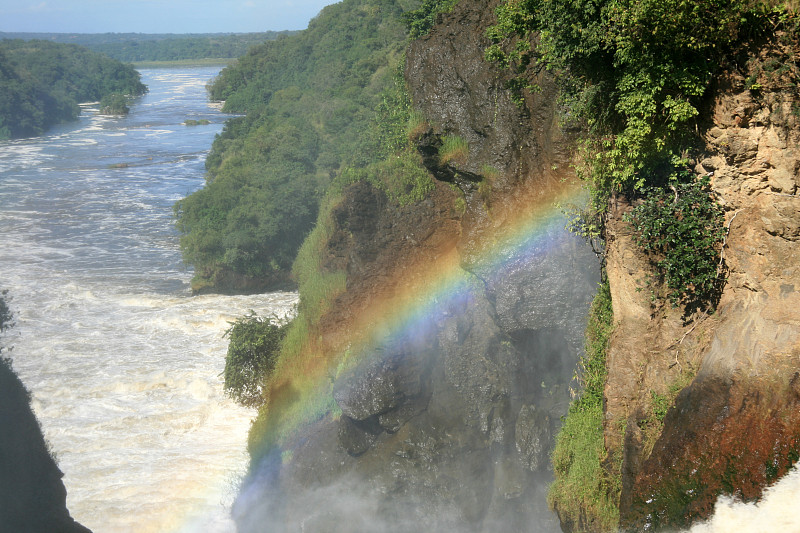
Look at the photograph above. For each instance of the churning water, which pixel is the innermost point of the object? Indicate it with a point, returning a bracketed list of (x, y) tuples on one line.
[(122, 362)]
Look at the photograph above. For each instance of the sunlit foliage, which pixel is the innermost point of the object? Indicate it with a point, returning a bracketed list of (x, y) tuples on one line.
[(308, 100), (254, 344), (633, 73)]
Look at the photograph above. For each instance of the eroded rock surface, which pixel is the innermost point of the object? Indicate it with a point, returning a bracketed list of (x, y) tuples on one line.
[(734, 429)]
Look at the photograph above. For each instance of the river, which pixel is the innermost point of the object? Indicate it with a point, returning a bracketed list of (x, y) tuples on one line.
[(122, 362)]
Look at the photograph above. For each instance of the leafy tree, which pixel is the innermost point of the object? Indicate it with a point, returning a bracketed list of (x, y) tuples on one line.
[(254, 344), (114, 104)]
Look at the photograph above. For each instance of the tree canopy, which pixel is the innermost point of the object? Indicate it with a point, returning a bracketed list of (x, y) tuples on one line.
[(41, 84), (133, 47), (308, 100)]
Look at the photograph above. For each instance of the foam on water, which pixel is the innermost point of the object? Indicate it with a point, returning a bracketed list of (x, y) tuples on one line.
[(777, 511), (123, 364)]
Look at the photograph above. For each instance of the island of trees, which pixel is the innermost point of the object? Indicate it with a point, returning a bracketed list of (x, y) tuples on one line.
[(41, 84)]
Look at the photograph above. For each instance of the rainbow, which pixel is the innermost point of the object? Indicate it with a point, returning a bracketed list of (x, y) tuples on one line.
[(525, 227)]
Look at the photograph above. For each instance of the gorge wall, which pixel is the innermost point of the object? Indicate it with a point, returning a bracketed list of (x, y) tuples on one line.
[(32, 495), (734, 426), (449, 424)]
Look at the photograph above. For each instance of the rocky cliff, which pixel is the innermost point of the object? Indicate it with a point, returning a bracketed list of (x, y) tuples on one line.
[(447, 425), (734, 427), (32, 495)]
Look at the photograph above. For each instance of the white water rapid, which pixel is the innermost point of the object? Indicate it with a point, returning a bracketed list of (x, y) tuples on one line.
[(122, 362)]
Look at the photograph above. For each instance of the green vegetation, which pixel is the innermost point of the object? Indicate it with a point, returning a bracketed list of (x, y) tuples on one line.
[(585, 490), (653, 424), (41, 84), (114, 104), (634, 75), (421, 20), (192, 122), (253, 346), (389, 159), (309, 101), (138, 47), (634, 71), (683, 232), (454, 150), (256, 207)]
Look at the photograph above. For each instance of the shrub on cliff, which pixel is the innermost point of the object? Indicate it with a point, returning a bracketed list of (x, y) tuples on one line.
[(634, 75), (254, 344), (421, 20), (634, 72), (683, 235)]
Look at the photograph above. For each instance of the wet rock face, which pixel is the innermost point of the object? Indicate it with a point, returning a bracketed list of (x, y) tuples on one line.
[(379, 386), (448, 428), (453, 435), (756, 440), (32, 495), (532, 435), (460, 94)]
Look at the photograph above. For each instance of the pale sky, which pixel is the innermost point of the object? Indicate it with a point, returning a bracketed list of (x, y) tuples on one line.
[(157, 16)]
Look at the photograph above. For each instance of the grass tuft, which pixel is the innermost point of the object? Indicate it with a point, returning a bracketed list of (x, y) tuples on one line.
[(454, 150), (584, 491)]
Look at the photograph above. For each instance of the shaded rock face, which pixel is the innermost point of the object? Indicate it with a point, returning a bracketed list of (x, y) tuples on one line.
[(32, 495), (449, 426), (448, 431), (723, 437), (734, 429), (451, 84)]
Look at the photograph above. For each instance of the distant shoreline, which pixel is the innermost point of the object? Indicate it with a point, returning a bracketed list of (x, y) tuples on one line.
[(209, 62)]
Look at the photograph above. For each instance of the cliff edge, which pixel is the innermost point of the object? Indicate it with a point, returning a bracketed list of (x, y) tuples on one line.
[(32, 495), (448, 361), (731, 377)]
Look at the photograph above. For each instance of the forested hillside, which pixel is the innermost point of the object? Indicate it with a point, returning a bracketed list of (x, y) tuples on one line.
[(132, 47), (41, 84), (309, 101)]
